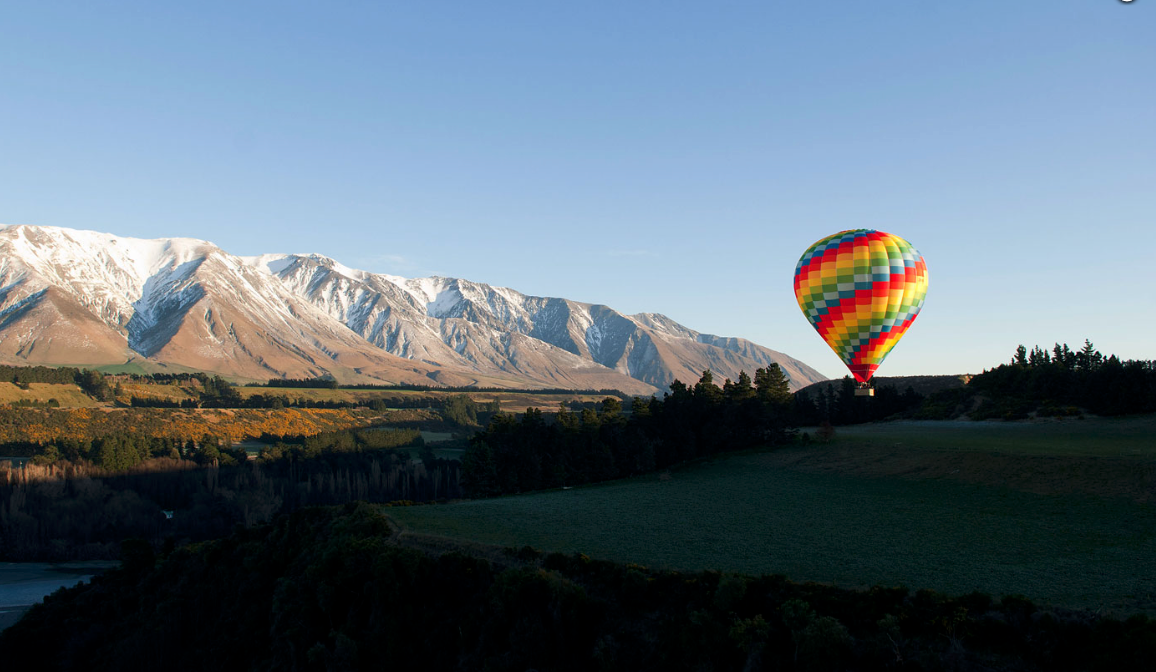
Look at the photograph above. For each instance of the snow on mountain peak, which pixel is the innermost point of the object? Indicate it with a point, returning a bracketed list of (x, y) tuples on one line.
[(295, 313), (110, 275), (270, 263), (336, 266), (444, 303), (139, 258)]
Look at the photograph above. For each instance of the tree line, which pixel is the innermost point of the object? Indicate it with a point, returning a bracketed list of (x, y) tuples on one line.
[(122, 452), (326, 589), (1048, 383), (304, 383), (95, 384), (64, 375), (845, 408), (117, 452), (331, 384), (345, 441), (68, 510), (533, 452), (1060, 381)]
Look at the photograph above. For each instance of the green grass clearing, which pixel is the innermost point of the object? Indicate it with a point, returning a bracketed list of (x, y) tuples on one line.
[(772, 512), (1092, 437)]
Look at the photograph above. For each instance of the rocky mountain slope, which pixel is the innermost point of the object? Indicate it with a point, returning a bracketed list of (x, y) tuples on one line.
[(81, 297)]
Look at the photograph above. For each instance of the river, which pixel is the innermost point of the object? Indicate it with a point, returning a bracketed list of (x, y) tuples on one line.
[(23, 584)]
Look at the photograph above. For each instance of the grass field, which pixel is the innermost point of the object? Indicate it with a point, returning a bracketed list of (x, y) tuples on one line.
[(813, 514), (1091, 437), (141, 367), (67, 395), (155, 391)]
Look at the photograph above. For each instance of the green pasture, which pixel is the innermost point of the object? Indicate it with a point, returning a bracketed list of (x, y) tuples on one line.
[(760, 513), (140, 367), (127, 367), (1090, 437)]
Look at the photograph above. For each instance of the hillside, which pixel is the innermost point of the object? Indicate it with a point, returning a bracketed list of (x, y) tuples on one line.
[(329, 589)]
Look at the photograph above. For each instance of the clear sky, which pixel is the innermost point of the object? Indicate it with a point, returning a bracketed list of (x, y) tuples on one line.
[(668, 157)]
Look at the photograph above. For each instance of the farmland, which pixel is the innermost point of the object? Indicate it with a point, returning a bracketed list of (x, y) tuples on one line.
[(513, 402), (81, 424), (1133, 436), (1005, 508), (65, 395)]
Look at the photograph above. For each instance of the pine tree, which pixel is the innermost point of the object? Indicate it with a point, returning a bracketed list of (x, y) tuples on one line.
[(705, 390), (565, 418), (1088, 358), (479, 471), (773, 385), (740, 390)]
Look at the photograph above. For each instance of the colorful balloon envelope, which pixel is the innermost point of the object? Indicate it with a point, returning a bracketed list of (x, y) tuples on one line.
[(861, 290)]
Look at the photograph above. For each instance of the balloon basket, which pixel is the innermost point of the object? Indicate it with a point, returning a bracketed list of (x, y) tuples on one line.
[(865, 392)]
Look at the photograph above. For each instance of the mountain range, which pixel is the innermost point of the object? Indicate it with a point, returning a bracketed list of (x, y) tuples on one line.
[(94, 299)]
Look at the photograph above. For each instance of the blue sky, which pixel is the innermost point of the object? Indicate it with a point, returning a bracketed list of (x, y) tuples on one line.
[(663, 157)]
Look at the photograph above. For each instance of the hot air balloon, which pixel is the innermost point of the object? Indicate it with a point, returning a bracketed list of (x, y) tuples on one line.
[(861, 290)]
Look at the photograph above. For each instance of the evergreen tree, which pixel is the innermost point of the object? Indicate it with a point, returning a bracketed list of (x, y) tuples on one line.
[(1088, 359), (825, 403), (773, 385), (846, 407), (479, 471), (740, 390), (705, 391), (460, 409), (565, 418), (95, 385)]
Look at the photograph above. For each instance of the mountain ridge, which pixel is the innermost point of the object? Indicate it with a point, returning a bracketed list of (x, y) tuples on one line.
[(81, 297)]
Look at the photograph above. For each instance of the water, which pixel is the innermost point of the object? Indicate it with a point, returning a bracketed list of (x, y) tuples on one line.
[(23, 584), (252, 447)]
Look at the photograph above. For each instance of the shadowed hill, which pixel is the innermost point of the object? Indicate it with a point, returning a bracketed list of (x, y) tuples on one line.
[(326, 589)]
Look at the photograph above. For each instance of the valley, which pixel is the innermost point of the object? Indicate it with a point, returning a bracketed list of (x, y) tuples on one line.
[(936, 540)]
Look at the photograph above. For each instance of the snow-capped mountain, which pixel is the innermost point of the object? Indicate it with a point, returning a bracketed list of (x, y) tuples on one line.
[(81, 297)]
